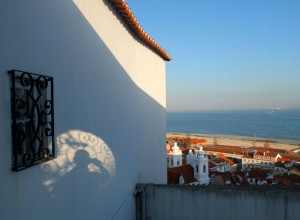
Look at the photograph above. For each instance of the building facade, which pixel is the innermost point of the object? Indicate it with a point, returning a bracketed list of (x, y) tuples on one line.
[(200, 164), (174, 157), (260, 159), (108, 100)]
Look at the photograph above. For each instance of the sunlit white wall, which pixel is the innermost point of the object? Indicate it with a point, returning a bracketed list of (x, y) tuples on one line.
[(108, 86), (142, 65)]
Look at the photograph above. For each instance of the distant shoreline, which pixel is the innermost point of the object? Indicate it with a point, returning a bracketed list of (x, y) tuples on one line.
[(280, 125), (245, 141)]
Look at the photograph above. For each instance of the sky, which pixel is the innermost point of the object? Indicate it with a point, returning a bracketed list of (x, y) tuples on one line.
[(227, 54)]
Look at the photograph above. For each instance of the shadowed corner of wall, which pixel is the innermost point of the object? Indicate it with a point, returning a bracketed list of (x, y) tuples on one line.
[(84, 165)]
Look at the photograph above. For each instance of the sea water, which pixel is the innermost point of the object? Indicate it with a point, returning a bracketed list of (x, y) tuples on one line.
[(279, 124)]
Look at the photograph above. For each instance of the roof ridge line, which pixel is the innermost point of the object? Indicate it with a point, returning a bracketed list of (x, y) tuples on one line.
[(132, 22)]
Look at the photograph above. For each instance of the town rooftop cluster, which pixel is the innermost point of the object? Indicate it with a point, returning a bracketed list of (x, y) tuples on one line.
[(231, 165)]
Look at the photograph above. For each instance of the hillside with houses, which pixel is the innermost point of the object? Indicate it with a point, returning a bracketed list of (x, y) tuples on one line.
[(192, 161)]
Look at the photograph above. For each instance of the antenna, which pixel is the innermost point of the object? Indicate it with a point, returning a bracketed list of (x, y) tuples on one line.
[(254, 144)]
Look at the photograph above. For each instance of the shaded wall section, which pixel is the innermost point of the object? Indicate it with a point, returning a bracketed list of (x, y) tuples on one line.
[(191, 203), (109, 128)]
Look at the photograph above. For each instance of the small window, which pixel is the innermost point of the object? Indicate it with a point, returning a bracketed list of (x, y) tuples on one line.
[(204, 169), (32, 119), (171, 162), (177, 162), (197, 169)]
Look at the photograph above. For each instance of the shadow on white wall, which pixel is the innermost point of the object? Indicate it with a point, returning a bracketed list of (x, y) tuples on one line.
[(84, 163)]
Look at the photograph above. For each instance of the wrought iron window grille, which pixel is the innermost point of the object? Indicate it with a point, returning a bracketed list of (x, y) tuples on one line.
[(32, 119)]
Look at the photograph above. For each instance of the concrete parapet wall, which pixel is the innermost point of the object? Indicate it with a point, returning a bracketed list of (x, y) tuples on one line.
[(213, 203)]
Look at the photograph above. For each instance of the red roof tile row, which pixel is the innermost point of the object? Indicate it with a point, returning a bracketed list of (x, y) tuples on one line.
[(227, 160), (258, 173), (220, 145), (225, 150), (293, 157), (132, 22), (187, 172), (276, 150)]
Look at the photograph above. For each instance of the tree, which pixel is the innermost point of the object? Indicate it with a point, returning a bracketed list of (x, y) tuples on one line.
[(188, 140), (215, 141)]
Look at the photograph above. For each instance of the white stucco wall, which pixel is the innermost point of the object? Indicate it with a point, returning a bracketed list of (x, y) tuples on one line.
[(170, 202), (109, 95)]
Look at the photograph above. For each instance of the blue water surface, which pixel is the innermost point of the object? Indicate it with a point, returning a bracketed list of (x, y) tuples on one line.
[(280, 124)]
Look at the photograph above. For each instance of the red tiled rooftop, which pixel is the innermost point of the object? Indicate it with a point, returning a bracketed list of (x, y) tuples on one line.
[(219, 145), (286, 160), (279, 164), (270, 154), (274, 150), (225, 150), (220, 179), (186, 171), (132, 22), (243, 180), (259, 154), (227, 160), (293, 157), (218, 160), (258, 173)]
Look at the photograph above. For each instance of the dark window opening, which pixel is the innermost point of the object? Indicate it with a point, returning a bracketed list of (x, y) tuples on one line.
[(32, 119)]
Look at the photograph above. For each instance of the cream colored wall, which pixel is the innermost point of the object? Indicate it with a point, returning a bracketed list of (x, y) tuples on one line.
[(109, 104), (145, 67)]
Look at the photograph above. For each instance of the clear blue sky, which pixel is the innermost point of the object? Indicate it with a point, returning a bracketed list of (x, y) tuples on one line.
[(227, 54)]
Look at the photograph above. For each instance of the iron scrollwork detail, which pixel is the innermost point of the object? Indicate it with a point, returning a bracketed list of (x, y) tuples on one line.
[(32, 116)]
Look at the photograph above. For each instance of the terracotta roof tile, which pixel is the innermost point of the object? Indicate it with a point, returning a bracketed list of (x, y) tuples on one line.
[(218, 160), (258, 173), (219, 145), (227, 160), (274, 150), (286, 160), (279, 164), (270, 154), (239, 177), (225, 150), (186, 171), (293, 157), (220, 179), (130, 19), (259, 154)]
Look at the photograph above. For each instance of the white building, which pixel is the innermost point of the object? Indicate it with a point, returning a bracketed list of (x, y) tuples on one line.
[(200, 164), (260, 159), (108, 100), (219, 164), (175, 156)]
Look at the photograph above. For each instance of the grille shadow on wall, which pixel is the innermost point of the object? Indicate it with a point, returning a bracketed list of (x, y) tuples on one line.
[(82, 158), (32, 119)]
